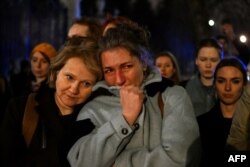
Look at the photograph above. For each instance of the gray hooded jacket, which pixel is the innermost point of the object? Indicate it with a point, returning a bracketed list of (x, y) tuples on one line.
[(154, 141)]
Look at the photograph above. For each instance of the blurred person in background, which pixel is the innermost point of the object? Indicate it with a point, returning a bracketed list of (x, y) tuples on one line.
[(200, 87), (168, 66), (235, 46), (5, 95), (36, 74), (223, 41), (85, 27), (112, 22)]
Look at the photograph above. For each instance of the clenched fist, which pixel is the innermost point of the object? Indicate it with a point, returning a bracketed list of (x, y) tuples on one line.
[(131, 99)]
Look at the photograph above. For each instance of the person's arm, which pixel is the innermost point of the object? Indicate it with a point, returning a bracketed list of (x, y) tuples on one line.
[(111, 136), (179, 141), (102, 146), (180, 144), (239, 136)]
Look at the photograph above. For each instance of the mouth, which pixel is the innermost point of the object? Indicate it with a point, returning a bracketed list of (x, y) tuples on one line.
[(228, 95), (37, 71), (71, 96), (208, 72)]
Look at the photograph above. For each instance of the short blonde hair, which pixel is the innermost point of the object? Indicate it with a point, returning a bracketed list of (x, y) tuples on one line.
[(84, 48)]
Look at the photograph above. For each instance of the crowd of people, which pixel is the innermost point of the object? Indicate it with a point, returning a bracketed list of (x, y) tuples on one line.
[(104, 99)]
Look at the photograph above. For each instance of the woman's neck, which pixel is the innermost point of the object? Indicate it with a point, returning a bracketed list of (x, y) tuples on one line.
[(227, 110), (39, 80), (64, 110), (207, 81)]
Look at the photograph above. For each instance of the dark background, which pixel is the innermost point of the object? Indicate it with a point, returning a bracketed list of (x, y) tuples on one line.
[(175, 25)]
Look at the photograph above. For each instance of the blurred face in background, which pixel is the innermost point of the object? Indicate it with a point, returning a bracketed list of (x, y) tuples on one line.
[(224, 44), (227, 29), (229, 84), (39, 66), (206, 61), (165, 66), (78, 30)]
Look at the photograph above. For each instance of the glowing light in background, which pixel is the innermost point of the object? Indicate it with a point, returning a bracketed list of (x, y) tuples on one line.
[(243, 39), (211, 22)]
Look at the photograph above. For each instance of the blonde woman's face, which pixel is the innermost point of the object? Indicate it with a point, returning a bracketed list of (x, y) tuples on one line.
[(74, 83)]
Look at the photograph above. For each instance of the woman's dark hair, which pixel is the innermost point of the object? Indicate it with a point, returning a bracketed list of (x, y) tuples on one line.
[(233, 62), (133, 38)]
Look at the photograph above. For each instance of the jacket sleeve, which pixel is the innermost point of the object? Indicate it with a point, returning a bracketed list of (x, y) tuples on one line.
[(102, 146), (180, 144), (178, 141)]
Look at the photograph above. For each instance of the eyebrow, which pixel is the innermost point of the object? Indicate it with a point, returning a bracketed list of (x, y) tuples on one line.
[(128, 62), (221, 77)]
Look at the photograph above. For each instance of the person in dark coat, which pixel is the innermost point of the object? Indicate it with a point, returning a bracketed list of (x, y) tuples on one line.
[(230, 80), (34, 72), (5, 95), (73, 73)]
